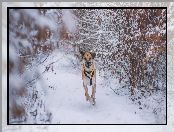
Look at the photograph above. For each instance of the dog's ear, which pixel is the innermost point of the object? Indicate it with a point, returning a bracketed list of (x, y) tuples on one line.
[(82, 53), (93, 55)]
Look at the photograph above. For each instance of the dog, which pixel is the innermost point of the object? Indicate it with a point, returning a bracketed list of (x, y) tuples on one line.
[(89, 74)]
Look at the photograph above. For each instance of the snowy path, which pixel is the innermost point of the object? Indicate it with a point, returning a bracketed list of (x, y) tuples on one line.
[(65, 99)]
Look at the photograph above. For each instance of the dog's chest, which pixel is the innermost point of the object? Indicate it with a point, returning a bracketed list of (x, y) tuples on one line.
[(89, 76)]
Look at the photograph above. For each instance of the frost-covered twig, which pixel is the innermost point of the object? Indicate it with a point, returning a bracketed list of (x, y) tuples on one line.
[(113, 90)]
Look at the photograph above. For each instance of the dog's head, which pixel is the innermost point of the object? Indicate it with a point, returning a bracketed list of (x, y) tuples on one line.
[(87, 56)]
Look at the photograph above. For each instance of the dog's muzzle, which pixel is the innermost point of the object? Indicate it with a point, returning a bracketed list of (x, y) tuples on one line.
[(88, 64)]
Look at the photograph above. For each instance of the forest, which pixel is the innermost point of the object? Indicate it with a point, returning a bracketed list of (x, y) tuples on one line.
[(44, 65)]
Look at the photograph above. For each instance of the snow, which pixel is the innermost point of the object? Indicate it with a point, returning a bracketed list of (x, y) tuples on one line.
[(69, 20), (66, 101), (43, 21)]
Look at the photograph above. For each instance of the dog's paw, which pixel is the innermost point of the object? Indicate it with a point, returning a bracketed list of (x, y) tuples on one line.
[(92, 101), (87, 96)]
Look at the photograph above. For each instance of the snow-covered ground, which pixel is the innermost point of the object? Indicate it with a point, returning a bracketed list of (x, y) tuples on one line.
[(64, 97)]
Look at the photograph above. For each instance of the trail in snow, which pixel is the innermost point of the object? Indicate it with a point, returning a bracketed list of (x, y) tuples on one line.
[(65, 98)]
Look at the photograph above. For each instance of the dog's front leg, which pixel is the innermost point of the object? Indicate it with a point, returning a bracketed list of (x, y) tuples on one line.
[(94, 86), (84, 86), (94, 90), (86, 92), (83, 72)]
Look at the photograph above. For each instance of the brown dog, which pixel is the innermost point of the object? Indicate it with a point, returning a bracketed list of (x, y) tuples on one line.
[(89, 74)]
